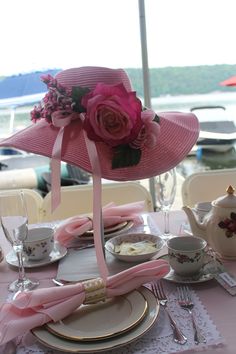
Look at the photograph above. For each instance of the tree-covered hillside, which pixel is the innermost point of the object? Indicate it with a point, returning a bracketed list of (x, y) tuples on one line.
[(183, 80), (163, 81)]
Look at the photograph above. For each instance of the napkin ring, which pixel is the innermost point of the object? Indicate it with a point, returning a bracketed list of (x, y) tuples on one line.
[(94, 290)]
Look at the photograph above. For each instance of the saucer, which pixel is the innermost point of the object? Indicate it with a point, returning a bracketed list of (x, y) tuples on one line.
[(208, 272), (57, 253)]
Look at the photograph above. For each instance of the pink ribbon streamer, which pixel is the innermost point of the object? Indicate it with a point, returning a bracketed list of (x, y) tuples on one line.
[(62, 122), (97, 207)]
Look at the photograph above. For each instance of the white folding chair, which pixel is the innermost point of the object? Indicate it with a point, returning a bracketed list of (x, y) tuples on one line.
[(207, 185), (78, 199), (33, 204)]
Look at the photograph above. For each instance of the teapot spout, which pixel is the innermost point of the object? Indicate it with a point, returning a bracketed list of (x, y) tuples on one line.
[(198, 229)]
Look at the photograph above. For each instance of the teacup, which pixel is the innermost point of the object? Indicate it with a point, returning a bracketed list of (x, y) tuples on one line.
[(201, 209), (39, 243), (187, 254)]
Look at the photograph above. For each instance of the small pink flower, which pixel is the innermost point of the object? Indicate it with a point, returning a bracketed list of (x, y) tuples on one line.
[(113, 115), (49, 80)]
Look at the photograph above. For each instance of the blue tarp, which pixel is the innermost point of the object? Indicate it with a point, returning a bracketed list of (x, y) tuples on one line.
[(24, 84)]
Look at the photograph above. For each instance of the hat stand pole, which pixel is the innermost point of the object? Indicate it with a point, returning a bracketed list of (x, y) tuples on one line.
[(146, 84)]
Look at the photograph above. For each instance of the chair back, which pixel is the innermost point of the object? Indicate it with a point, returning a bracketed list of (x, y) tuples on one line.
[(206, 186), (78, 199), (33, 204)]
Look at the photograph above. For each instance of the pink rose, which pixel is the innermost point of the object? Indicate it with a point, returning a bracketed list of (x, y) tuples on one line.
[(113, 115), (149, 133), (152, 129)]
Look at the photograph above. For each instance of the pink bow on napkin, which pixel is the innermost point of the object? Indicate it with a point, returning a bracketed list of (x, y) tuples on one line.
[(37, 307), (112, 215)]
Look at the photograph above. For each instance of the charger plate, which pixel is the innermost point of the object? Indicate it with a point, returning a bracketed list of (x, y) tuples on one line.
[(118, 315), (70, 346), (109, 231)]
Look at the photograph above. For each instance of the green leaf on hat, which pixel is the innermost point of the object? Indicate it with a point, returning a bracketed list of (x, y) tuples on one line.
[(77, 93), (125, 156), (156, 118)]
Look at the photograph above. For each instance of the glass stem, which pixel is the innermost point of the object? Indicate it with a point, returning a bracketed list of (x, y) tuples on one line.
[(21, 269), (166, 219)]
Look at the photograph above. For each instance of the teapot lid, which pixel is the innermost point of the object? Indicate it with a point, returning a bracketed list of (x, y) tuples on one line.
[(228, 200)]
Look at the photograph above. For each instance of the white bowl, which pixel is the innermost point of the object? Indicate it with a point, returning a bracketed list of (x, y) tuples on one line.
[(139, 240)]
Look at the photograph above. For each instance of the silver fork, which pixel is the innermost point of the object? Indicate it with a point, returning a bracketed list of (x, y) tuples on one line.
[(185, 301), (159, 293)]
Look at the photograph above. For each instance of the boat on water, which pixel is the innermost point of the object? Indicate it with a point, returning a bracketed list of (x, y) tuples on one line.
[(217, 129)]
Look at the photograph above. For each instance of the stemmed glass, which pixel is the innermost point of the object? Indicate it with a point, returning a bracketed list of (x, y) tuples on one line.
[(14, 222), (165, 189)]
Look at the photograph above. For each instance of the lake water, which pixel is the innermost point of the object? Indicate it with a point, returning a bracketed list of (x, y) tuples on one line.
[(207, 160)]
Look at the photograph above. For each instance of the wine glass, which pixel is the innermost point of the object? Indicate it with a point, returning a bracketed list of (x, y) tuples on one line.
[(14, 222), (165, 189)]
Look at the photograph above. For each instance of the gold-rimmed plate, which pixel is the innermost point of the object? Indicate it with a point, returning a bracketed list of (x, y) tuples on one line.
[(102, 320), (50, 340), (109, 231)]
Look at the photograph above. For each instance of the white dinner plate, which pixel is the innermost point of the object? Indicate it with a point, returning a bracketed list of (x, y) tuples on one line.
[(70, 346), (118, 315), (57, 253), (207, 273), (110, 231)]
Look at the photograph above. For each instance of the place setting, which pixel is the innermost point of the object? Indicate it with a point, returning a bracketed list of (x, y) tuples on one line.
[(73, 307), (83, 331), (116, 219)]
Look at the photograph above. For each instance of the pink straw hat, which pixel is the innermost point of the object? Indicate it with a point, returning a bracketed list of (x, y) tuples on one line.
[(95, 105), (91, 118)]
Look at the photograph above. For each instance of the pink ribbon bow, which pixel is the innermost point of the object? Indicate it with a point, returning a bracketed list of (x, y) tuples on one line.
[(35, 308), (112, 215)]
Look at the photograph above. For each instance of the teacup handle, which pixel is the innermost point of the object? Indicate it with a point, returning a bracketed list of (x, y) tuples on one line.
[(210, 257)]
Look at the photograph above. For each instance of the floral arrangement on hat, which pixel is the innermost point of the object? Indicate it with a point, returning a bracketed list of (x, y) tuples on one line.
[(109, 114)]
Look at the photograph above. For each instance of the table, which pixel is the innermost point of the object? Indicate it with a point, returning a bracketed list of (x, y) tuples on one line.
[(219, 304)]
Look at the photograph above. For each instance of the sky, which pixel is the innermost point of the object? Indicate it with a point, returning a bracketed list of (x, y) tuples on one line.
[(57, 34)]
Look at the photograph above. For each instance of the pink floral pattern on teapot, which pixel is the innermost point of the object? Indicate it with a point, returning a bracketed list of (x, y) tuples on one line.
[(229, 224)]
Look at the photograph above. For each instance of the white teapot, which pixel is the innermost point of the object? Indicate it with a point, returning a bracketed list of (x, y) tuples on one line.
[(218, 227)]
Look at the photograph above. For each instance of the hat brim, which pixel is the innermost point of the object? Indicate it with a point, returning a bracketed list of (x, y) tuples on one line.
[(178, 134)]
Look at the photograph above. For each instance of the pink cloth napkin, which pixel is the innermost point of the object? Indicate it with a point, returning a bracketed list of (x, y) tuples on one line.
[(112, 215), (37, 307)]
